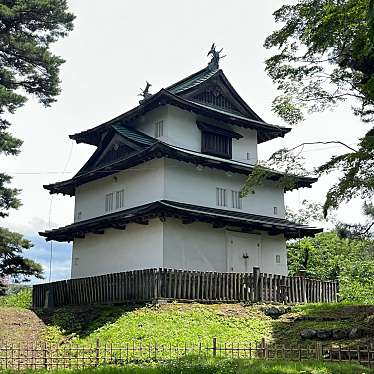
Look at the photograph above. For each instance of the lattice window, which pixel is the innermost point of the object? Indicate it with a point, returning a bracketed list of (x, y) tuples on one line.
[(216, 144), (159, 129), (221, 196), (109, 202), (120, 199), (236, 200)]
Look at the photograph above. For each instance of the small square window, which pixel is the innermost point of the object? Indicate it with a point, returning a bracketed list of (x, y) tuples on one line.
[(159, 129), (278, 259), (248, 155), (221, 196), (275, 210)]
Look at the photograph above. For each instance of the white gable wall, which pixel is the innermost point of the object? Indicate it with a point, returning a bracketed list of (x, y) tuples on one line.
[(185, 183), (142, 184), (180, 130)]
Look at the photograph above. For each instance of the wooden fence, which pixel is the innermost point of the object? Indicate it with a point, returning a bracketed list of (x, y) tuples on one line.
[(48, 356), (157, 284)]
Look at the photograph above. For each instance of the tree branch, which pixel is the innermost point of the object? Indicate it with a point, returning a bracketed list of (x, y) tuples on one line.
[(328, 142)]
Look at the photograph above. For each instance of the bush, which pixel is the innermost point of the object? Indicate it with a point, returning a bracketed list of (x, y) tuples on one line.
[(21, 299)]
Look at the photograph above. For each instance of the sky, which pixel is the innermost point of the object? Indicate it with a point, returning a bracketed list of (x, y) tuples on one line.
[(114, 48)]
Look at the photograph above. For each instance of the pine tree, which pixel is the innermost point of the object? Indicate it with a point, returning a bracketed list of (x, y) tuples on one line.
[(27, 67)]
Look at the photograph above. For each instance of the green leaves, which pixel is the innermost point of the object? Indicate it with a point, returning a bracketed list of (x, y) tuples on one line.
[(329, 257), (12, 262)]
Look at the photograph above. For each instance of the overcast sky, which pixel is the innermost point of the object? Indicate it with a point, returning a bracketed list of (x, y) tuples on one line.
[(115, 47)]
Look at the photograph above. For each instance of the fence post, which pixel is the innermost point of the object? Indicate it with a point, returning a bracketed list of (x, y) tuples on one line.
[(97, 352), (214, 347), (264, 348), (303, 282), (49, 298), (256, 284), (45, 356)]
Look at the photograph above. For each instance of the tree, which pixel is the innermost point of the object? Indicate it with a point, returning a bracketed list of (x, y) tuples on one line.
[(327, 256), (325, 56), (27, 67), (12, 262)]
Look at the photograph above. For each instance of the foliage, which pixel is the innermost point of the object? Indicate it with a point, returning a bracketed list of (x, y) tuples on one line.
[(195, 365), (12, 262), (329, 257), (21, 299), (27, 67), (308, 213), (325, 55)]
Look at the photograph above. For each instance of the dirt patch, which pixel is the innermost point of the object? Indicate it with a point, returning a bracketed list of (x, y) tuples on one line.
[(20, 325)]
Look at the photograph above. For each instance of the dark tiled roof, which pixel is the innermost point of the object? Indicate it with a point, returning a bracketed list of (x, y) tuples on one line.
[(160, 149), (165, 208), (134, 135), (192, 80), (265, 131)]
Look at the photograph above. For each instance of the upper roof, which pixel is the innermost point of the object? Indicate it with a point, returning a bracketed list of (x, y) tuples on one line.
[(208, 93)]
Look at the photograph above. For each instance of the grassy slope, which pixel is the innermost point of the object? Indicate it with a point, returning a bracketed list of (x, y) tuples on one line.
[(177, 323)]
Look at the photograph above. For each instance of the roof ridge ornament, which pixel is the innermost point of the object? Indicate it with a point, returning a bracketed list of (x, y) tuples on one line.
[(214, 62), (145, 94)]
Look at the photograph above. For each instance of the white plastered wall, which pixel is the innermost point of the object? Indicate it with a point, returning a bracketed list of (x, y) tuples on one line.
[(142, 184), (180, 130), (199, 246), (196, 246), (188, 184), (137, 247)]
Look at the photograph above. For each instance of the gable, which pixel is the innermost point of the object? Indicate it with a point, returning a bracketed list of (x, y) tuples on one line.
[(217, 92), (213, 96), (115, 150), (118, 143)]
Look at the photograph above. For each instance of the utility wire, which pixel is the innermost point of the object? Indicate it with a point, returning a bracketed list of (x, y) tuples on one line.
[(50, 212)]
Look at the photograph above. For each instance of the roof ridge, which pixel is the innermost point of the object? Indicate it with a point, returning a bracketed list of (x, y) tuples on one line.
[(182, 84)]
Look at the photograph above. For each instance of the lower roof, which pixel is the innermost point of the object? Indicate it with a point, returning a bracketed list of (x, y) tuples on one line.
[(188, 213)]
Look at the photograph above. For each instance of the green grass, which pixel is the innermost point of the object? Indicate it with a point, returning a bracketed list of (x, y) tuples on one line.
[(225, 366), (21, 299), (167, 324), (178, 323)]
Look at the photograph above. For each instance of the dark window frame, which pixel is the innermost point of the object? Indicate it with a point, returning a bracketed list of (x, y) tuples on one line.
[(216, 141), (216, 144)]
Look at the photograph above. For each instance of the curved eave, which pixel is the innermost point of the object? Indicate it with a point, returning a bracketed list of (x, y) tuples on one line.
[(188, 213), (159, 150), (265, 131)]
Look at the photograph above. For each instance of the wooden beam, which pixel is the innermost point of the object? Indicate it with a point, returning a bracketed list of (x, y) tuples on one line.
[(119, 227), (218, 225), (142, 222), (98, 232), (187, 221)]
